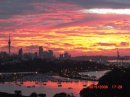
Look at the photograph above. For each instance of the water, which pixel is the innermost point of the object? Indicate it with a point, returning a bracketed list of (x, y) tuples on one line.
[(50, 85), (96, 74), (120, 63), (49, 88), (114, 61)]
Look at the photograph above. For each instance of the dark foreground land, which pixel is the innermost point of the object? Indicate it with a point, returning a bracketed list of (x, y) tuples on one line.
[(66, 68), (115, 83), (47, 65)]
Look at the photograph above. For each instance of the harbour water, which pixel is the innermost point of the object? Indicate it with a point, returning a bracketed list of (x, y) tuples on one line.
[(50, 88), (49, 85)]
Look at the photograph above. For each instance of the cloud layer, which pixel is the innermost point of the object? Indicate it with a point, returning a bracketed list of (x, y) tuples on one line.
[(91, 27)]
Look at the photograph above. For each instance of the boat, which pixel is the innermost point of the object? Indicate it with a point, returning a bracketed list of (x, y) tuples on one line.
[(44, 83), (84, 85), (70, 88), (59, 85)]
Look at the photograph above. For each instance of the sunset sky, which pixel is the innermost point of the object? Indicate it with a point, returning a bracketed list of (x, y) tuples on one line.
[(81, 27)]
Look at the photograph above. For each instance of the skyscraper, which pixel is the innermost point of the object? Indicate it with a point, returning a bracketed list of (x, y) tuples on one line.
[(9, 45), (40, 51), (20, 52)]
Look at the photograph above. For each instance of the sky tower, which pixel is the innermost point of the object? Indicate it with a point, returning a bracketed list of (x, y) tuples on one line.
[(9, 44)]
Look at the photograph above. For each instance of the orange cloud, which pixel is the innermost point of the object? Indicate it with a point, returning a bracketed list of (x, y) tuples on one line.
[(62, 27)]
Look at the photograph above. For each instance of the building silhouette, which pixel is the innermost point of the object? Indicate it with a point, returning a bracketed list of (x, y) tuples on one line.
[(35, 54), (65, 55), (45, 54), (9, 45), (40, 51), (20, 53), (50, 53)]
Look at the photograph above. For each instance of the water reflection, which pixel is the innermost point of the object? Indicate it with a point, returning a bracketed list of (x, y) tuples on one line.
[(75, 86), (49, 87), (49, 84)]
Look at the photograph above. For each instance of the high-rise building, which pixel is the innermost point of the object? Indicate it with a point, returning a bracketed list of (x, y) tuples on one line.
[(67, 55), (35, 54), (9, 45), (40, 51), (50, 53), (20, 52), (61, 56)]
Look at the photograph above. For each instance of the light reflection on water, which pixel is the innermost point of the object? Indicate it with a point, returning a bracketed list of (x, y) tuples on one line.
[(49, 85), (49, 88)]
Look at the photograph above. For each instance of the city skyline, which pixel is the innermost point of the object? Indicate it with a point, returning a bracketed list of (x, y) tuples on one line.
[(40, 51), (79, 27)]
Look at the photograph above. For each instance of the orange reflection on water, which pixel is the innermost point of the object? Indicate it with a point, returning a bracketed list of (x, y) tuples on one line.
[(78, 84), (29, 83), (76, 87)]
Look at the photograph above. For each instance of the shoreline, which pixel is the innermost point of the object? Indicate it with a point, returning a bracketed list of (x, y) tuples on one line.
[(23, 76)]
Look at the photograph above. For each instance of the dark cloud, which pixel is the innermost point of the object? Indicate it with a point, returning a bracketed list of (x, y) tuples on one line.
[(15, 14), (102, 3), (106, 44), (6, 47), (3, 36), (4, 26), (9, 8), (124, 43), (31, 47), (14, 7), (23, 7)]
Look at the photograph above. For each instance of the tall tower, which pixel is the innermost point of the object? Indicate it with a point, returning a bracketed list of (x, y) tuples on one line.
[(9, 44)]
